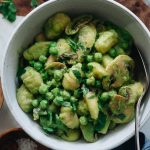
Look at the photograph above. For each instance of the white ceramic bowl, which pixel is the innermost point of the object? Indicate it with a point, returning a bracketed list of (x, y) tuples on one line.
[(23, 35)]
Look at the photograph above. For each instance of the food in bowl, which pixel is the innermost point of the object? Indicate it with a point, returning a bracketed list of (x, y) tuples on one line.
[(77, 78)]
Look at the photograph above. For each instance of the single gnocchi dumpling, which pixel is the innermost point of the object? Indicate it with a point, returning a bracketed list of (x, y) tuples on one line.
[(24, 98), (71, 79), (74, 26), (36, 50), (70, 82), (69, 118), (117, 104), (56, 25), (71, 135), (106, 40), (63, 46), (120, 69), (126, 116), (122, 112), (87, 35), (92, 103), (50, 60), (132, 92), (106, 60), (98, 71), (82, 108), (32, 80)]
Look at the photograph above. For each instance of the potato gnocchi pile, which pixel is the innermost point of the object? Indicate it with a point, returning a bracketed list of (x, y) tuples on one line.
[(76, 79)]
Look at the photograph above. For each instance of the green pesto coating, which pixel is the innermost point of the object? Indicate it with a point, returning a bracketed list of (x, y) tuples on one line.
[(77, 77)]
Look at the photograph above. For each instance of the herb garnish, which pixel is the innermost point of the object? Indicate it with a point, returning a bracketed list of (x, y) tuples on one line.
[(77, 75), (74, 45), (34, 3), (8, 9)]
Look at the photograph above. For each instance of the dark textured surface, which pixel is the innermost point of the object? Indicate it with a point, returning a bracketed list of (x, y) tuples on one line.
[(8, 140), (136, 6), (139, 8)]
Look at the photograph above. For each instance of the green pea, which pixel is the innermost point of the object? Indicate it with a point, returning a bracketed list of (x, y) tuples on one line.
[(43, 89), (54, 83), (105, 96), (65, 95), (32, 62), (111, 93), (38, 66), (124, 45), (52, 108), (119, 50), (58, 75), (90, 67), (73, 99), (98, 57), (51, 83), (42, 59), (83, 120), (98, 83), (55, 91), (90, 81), (43, 104), (76, 93), (53, 44), (58, 100), (35, 103), (53, 51), (44, 75), (113, 52), (49, 96), (89, 58), (50, 72)]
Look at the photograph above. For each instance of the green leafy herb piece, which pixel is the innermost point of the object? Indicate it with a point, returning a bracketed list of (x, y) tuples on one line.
[(74, 45), (101, 122), (8, 10), (66, 104), (77, 74), (84, 90), (34, 3), (59, 125), (74, 107), (48, 129), (84, 68)]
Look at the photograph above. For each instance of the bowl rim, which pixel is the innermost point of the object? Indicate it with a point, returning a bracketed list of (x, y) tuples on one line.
[(5, 92)]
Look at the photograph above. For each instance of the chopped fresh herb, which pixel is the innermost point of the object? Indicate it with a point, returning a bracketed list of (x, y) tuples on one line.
[(84, 68), (74, 107), (74, 45), (59, 124), (77, 74), (48, 129), (66, 104), (101, 121), (84, 90), (34, 3), (8, 9)]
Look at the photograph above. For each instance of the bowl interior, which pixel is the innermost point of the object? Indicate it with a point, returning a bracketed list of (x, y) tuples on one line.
[(23, 36)]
